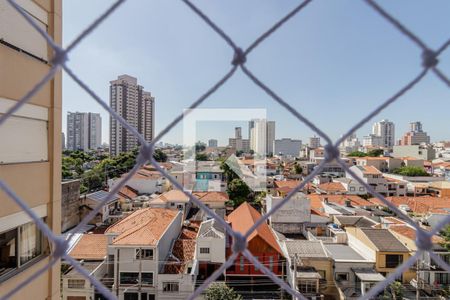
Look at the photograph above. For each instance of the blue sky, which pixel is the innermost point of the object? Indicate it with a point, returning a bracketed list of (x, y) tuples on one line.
[(334, 61)]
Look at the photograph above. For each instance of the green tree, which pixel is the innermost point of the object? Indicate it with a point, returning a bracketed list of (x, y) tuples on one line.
[(201, 157), (375, 152), (199, 147), (238, 191), (445, 233), (357, 154), (411, 171), (220, 291), (394, 291), (227, 172), (160, 156), (297, 169)]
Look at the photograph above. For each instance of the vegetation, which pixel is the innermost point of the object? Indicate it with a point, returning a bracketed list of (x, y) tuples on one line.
[(220, 291), (238, 191), (394, 291), (445, 233), (94, 170), (411, 171), (297, 169), (371, 153), (201, 157)]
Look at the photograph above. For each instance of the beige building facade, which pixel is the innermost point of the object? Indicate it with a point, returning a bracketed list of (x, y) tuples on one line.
[(30, 160)]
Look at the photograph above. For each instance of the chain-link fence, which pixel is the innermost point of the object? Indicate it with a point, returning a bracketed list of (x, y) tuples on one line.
[(423, 241)]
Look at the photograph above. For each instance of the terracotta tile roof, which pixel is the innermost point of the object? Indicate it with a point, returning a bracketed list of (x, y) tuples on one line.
[(174, 195), (420, 205), (410, 233), (90, 247), (212, 196), (317, 200), (143, 227), (145, 173), (128, 192), (371, 170), (332, 187), (184, 251), (243, 217), (393, 220)]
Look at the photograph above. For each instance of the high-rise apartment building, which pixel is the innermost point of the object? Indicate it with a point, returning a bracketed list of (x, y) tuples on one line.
[(415, 136), (287, 147), (262, 136), (137, 107), (212, 143), (314, 142), (84, 131), (385, 129), (30, 148), (238, 143)]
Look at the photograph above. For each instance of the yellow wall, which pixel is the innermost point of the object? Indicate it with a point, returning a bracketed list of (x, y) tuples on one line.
[(380, 265)]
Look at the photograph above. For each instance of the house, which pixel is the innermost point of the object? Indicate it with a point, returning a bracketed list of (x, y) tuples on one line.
[(353, 273), (177, 279), (209, 177), (91, 250), (431, 275), (373, 177), (310, 269), (331, 205), (425, 205), (210, 251), (173, 199), (354, 221), (213, 200), (146, 180), (108, 214), (264, 246), (138, 247), (439, 189), (331, 188), (351, 186), (381, 246), (291, 217)]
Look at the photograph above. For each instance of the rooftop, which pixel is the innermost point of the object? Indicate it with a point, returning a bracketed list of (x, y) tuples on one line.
[(332, 187), (90, 247), (356, 221), (182, 254), (384, 240), (243, 218), (343, 252), (143, 227), (305, 248), (100, 196)]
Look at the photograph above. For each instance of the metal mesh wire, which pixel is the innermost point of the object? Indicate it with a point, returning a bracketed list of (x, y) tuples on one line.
[(60, 55)]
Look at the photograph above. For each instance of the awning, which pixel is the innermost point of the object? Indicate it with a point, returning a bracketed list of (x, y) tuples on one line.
[(369, 276), (308, 275)]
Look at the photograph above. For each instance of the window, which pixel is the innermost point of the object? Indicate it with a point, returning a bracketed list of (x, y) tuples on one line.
[(144, 254), (129, 278), (147, 278), (361, 189), (19, 246), (270, 262), (76, 283), (130, 296), (170, 287), (442, 278), (241, 266), (204, 250), (393, 261), (352, 189), (307, 286), (341, 276), (30, 242)]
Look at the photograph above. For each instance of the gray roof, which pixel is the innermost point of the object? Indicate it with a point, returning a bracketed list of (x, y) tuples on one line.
[(208, 166), (211, 228), (306, 248), (101, 195), (357, 221), (384, 240), (343, 252)]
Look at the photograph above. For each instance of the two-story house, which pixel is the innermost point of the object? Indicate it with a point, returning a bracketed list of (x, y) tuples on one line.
[(138, 246), (383, 247), (110, 212), (263, 244), (210, 249)]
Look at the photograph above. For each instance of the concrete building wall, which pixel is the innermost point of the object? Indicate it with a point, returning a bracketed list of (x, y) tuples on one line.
[(216, 249), (37, 183), (70, 204), (287, 147)]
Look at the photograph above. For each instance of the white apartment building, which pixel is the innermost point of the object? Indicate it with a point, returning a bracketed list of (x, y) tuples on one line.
[(137, 107), (262, 136), (292, 216), (84, 131), (314, 142), (385, 129), (287, 147), (372, 140), (350, 144)]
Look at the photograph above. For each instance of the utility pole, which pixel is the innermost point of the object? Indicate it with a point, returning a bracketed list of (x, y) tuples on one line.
[(417, 280)]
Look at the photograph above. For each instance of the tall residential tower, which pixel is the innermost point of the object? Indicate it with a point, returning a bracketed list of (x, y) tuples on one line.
[(137, 107), (84, 131)]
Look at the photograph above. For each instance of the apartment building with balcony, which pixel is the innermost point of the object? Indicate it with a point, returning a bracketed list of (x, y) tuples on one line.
[(30, 160)]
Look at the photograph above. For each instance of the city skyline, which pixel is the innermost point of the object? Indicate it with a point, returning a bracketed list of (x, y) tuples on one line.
[(316, 55)]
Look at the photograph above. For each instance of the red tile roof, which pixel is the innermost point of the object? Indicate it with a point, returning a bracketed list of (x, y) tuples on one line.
[(128, 192), (90, 247), (332, 187), (420, 205), (184, 251), (410, 233), (317, 200), (244, 217), (143, 227)]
